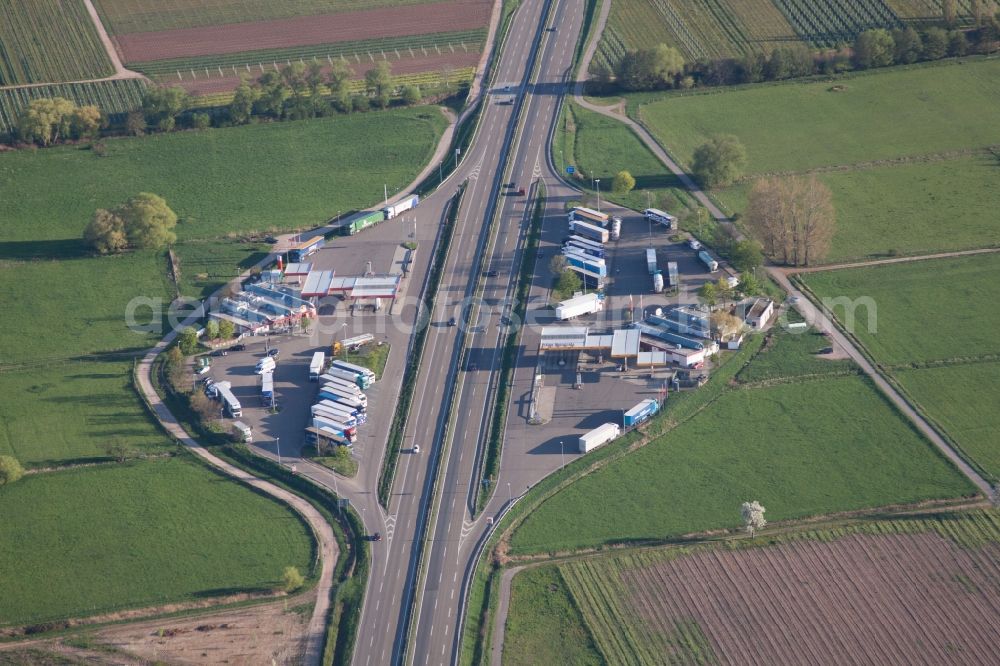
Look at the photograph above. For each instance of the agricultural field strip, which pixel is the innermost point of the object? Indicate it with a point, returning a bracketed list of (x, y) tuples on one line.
[(49, 41), (124, 16), (355, 86), (683, 582), (829, 23), (365, 51), (111, 97)]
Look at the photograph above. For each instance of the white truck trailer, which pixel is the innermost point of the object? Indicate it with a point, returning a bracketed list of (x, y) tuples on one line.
[(316, 365), (651, 260), (709, 262), (579, 305), (599, 436)]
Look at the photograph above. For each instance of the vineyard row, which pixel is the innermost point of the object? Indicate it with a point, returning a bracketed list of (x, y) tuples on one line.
[(114, 98)]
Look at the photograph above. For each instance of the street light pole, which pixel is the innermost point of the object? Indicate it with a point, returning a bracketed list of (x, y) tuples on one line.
[(562, 454), (277, 442), (510, 497), (598, 182)]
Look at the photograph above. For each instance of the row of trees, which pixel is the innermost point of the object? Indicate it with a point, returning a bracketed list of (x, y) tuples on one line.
[(53, 120), (144, 221), (793, 217), (663, 67)]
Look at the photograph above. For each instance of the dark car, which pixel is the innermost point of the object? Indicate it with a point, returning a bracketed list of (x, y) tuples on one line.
[(273, 352), (451, 322), (492, 273), (219, 352), (239, 348), (520, 191), (377, 536), (271, 239)]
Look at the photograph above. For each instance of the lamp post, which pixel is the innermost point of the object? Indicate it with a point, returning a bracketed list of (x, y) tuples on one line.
[(562, 454), (343, 340), (277, 442), (510, 497), (597, 181)]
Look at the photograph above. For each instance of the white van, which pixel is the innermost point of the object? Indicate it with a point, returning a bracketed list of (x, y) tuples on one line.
[(265, 365)]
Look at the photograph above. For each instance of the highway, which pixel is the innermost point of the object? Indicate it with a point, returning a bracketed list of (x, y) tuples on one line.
[(447, 555)]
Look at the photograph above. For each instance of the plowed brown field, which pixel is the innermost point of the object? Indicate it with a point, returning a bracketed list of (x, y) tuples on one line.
[(306, 30), (430, 63), (905, 599), (921, 591)]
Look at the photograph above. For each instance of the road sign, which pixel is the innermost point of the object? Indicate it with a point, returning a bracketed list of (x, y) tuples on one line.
[(570, 169)]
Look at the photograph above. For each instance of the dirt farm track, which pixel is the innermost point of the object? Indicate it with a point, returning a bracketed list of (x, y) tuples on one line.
[(305, 30)]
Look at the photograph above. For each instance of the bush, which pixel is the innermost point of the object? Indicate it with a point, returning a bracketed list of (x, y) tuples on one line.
[(291, 579), (10, 470), (719, 161)]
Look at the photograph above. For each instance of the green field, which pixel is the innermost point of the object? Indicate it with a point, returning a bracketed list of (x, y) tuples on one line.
[(75, 306), (71, 411), (962, 398), (543, 623), (206, 265), (600, 147), (881, 115), (289, 175), (44, 41), (95, 539), (912, 208), (924, 310), (801, 449), (789, 354), (114, 98), (123, 16)]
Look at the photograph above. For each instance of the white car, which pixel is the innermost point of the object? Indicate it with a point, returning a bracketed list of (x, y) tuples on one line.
[(416, 448), (694, 244)]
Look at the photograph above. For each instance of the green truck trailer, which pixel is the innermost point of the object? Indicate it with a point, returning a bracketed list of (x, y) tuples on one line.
[(362, 222)]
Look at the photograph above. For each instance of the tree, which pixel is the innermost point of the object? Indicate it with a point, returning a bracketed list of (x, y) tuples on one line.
[(725, 324), (85, 122), (203, 406), (272, 93), (753, 517), (987, 35), (787, 62), (175, 367), (874, 48), (411, 95), (212, 329), (793, 217), (149, 221), (10, 470), (201, 121), (187, 340), (708, 293), (723, 292), (339, 76), (106, 232), (305, 323), (568, 283), (906, 46), (241, 108), (118, 451), (666, 62), (46, 121), (958, 44), (378, 81), (748, 285), (623, 183), (935, 44), (162, 106), (719, 161), (360, 104), (135, 123), (557, 264), (226, 329), (746, 255), (291, 579)]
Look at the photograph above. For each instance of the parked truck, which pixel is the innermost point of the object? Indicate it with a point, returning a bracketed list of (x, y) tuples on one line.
[(709, 262), (349, 386), (644, 410), (365, 377), (599, 436), (651, 260), (401, 207), (351, 343), (267, 389), (673, 276), (316, 365), (660, 217), (359, 380), (242, 432), (589, 215), (349, 433), (586, 262), (334, 414), (361, 222), (340, 395), (325, 438), (616, 228), (579, 305), (591, 231), (345, 411), (229, 401)]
